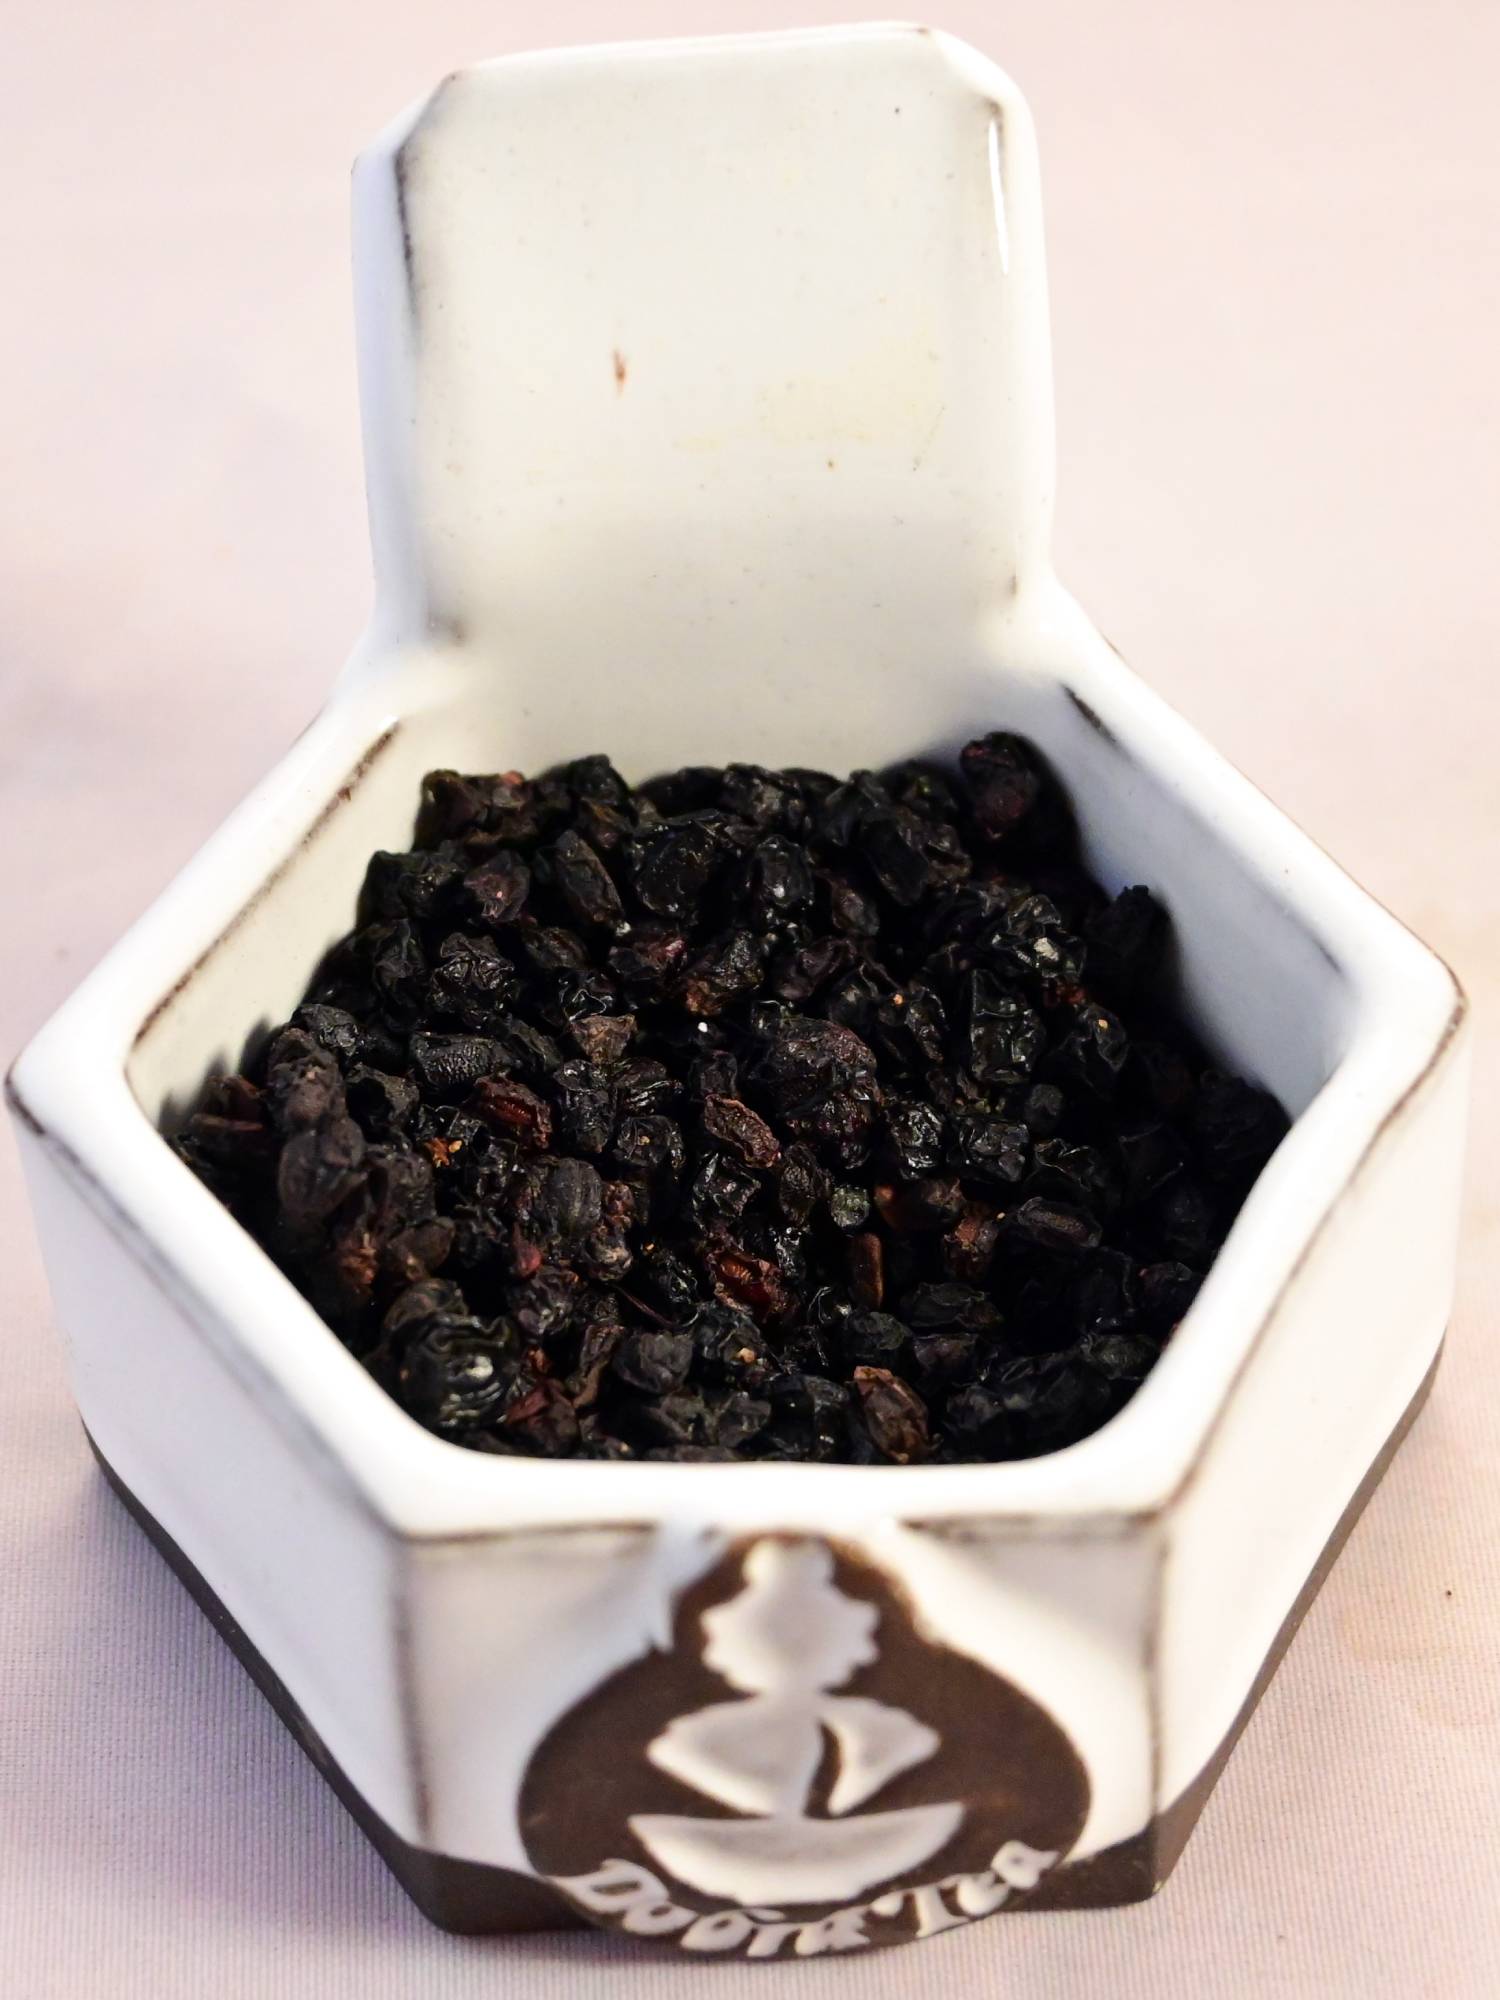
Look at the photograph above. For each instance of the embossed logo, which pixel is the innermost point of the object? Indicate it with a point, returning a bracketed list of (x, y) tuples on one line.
[(802, 1772)]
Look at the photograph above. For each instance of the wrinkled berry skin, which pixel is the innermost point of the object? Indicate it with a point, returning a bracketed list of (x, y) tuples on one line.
[(744, 1114)]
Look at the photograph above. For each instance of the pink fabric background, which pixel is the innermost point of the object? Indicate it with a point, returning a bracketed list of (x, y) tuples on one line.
[(1273, 236)]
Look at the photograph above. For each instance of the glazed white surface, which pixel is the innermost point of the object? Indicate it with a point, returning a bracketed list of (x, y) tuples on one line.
[(732, 354)]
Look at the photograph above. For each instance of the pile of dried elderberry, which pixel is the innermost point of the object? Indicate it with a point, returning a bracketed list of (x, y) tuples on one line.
[(746, 1114)]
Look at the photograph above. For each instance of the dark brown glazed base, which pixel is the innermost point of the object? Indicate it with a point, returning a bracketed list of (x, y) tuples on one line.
[(472, 1898)]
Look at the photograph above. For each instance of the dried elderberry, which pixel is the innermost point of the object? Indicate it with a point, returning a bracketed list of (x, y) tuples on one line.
[(744, 1114)]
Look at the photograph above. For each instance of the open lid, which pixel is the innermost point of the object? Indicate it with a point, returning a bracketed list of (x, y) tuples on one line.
[(736, 343)]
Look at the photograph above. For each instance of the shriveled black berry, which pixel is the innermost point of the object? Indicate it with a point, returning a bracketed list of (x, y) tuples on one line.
[(583, 882), (730, 1348), (876, 1340), (1093, 1054), (649, 1147), (513, 1111), (1234, 1128), (602, 1038), (543, 1420), (806, 1058), (333, 1028), (1185, 1222), (497, 888), (894, 1414), (739, 1418), (1003, 781), (801, 1183), (779, 880), (398, 969), (918, 1205), (445, 1068), (1075, 1173), (741, 1131), (471, 983), (974, 1419), (655, 1362), (379, 1103), (454, 1374), (802, 968), (303, 1084), (1125, 939), (949, 1307), (318, 1168), (644, 1086), (943, 1356), (664, 1283), (547, 1304), (594, 779), (1005, 1036), (918, 1135), (968, 1247), (1120, 1357), (584, 1097), (1055, 1225), (721, 1187), (809, 1416), (419, 884), (682, 1422), (1166, 1290), (674, 865), (1042, 1110), (989, 1148)]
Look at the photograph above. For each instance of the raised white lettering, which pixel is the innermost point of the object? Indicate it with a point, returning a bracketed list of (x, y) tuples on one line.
[(614, 1886), (843, 1931), (723, 1930), (639, 1902), (978, 1895), (768, 1940), (655, 1916), (1022, 1866), (933, 1914)]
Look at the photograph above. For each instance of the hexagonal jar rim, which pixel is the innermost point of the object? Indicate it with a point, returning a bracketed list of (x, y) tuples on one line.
[(71, 1086)]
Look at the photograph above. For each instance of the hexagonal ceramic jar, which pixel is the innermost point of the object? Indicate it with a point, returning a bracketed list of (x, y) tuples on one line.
[(708, 416)]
